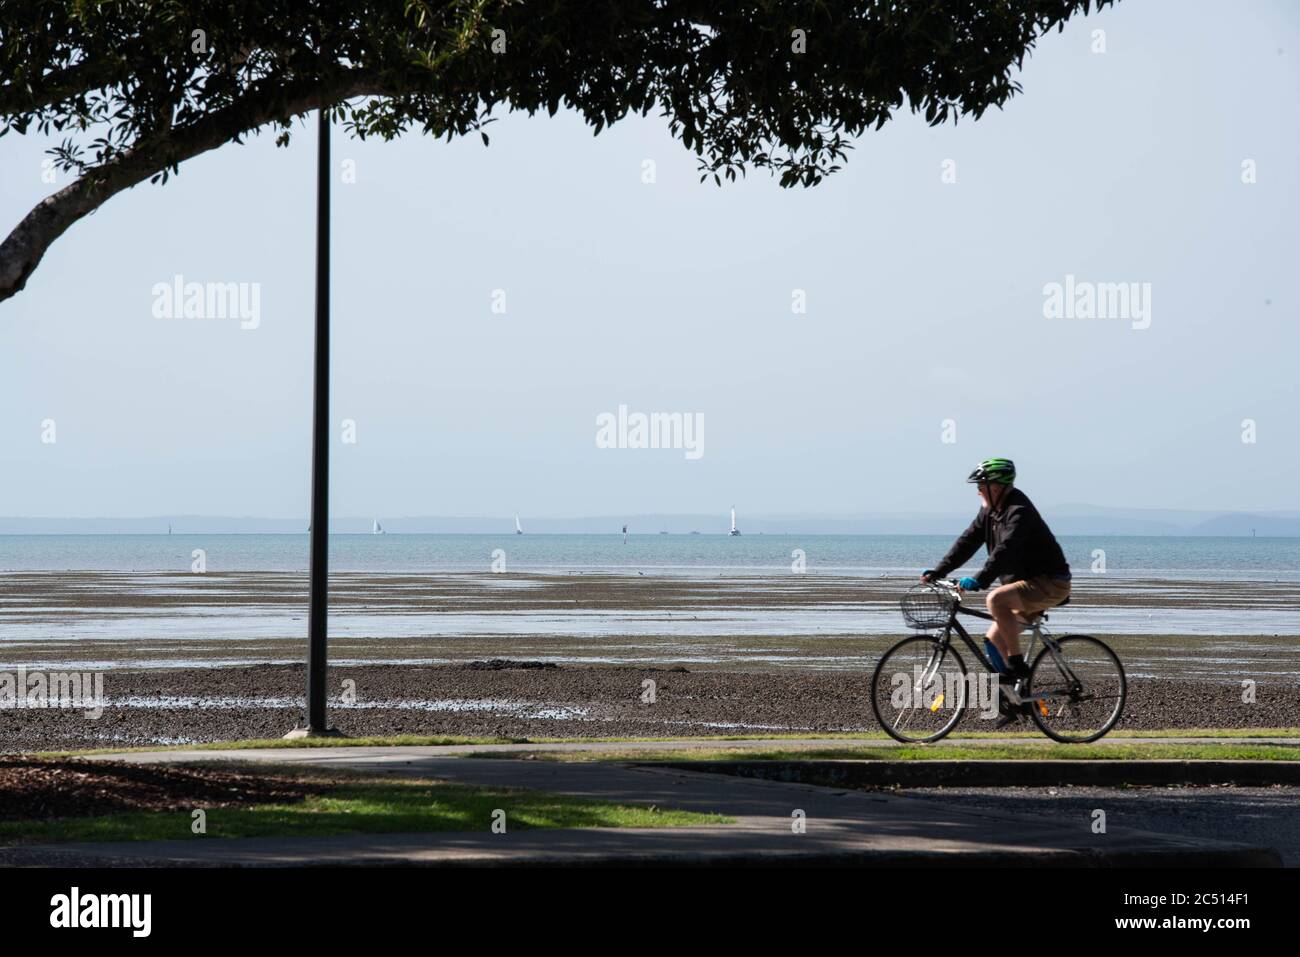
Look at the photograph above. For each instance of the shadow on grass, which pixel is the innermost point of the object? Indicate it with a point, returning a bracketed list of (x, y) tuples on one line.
[(350, 807)]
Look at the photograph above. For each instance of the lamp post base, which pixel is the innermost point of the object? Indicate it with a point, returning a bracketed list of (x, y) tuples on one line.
[(310, 733)]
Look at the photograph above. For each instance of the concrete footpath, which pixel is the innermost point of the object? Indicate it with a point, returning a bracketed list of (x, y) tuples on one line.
[(840, 826)]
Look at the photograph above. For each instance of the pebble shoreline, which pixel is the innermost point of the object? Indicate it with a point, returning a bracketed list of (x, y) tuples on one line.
[(518, 699)]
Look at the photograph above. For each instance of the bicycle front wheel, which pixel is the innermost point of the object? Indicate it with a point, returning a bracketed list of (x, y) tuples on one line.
[(919, 689), (1076, 689)]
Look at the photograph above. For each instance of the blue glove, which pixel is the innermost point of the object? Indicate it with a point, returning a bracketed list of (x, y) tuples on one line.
[(968, 584), (927, 573)]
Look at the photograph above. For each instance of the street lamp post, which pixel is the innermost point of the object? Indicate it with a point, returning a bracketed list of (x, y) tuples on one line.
[(318, 596)]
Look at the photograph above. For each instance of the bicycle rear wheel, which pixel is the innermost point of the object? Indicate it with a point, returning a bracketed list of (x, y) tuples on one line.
[(1076, 690), (918, 690)]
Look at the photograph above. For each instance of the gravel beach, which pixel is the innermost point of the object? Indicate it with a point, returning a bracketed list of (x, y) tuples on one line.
[(521, 700)]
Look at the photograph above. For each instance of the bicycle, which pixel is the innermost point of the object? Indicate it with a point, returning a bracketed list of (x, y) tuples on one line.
[(1075, 691)]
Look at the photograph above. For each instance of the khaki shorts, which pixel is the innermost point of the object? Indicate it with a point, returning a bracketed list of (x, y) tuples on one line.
[(1040, 593)]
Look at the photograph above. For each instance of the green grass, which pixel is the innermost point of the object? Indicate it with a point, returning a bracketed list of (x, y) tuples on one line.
[(1213, 733), (938, 752), (413, 740), (362, 805), (399, 740)]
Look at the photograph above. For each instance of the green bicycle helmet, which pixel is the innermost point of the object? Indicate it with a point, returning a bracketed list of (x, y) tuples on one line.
[(1000, 471)]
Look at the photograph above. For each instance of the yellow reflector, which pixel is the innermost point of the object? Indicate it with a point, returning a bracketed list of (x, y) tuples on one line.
[(938, 702)]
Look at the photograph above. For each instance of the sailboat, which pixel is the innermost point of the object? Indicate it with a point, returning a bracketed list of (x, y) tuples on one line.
[(625, 533), (734, 529), (378, 529), (519, 529)]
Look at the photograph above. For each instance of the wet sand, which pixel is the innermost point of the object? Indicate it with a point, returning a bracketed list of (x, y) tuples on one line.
[(132, 621)]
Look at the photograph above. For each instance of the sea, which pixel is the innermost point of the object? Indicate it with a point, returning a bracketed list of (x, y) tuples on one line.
[(1160, 557)]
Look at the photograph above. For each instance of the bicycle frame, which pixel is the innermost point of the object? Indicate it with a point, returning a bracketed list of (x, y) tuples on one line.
[(955, 625), (1035, 628)]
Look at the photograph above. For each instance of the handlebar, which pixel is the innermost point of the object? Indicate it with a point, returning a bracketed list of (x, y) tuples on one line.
[(949, 583)]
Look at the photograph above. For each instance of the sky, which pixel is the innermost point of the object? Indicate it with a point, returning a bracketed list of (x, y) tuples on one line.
[(924, 346)]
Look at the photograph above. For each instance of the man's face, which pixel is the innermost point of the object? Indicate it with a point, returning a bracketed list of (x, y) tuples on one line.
[(990, 494)]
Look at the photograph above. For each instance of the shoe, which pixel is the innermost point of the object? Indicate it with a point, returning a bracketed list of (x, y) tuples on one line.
[(1014, 712), (1008, 712), (1010, 687), (1016, 680), (1008, 717)]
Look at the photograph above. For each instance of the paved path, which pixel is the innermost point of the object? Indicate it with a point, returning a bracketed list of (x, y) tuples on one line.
[(841, 826), (1266, 816)]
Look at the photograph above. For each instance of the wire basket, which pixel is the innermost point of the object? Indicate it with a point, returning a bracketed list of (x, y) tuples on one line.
[(927, 606)]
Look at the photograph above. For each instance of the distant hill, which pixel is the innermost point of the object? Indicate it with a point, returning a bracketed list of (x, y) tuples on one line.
[(1245, 525), (1071, 519), (1092, 520)]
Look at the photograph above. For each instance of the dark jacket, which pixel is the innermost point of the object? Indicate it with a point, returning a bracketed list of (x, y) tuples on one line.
[(1019, 542)]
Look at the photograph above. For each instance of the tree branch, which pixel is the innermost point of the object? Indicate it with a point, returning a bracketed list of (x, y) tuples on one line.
[(54, 88), (25, 246)]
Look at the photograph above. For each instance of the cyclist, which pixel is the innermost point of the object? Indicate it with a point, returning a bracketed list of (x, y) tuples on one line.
[(1022, 554)]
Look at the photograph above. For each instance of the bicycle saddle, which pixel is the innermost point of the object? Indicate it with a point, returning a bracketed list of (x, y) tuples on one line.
[(1030, 619)]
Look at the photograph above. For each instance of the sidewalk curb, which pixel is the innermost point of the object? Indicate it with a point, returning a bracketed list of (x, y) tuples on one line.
[(892, 860), (1142, 856)]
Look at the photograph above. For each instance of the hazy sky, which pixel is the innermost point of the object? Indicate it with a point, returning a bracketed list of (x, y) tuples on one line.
[(925, 302)]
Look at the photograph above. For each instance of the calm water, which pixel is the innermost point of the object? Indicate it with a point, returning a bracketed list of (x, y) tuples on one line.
[(1268, 559)]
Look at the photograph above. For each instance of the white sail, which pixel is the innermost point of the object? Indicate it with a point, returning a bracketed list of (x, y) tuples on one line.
[(378, 529), (734, 530), (519, 529)]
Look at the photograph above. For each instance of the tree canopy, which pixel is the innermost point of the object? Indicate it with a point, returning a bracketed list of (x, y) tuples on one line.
[(134, 88)]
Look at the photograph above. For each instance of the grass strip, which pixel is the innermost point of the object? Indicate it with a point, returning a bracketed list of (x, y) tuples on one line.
[(353, 804)]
